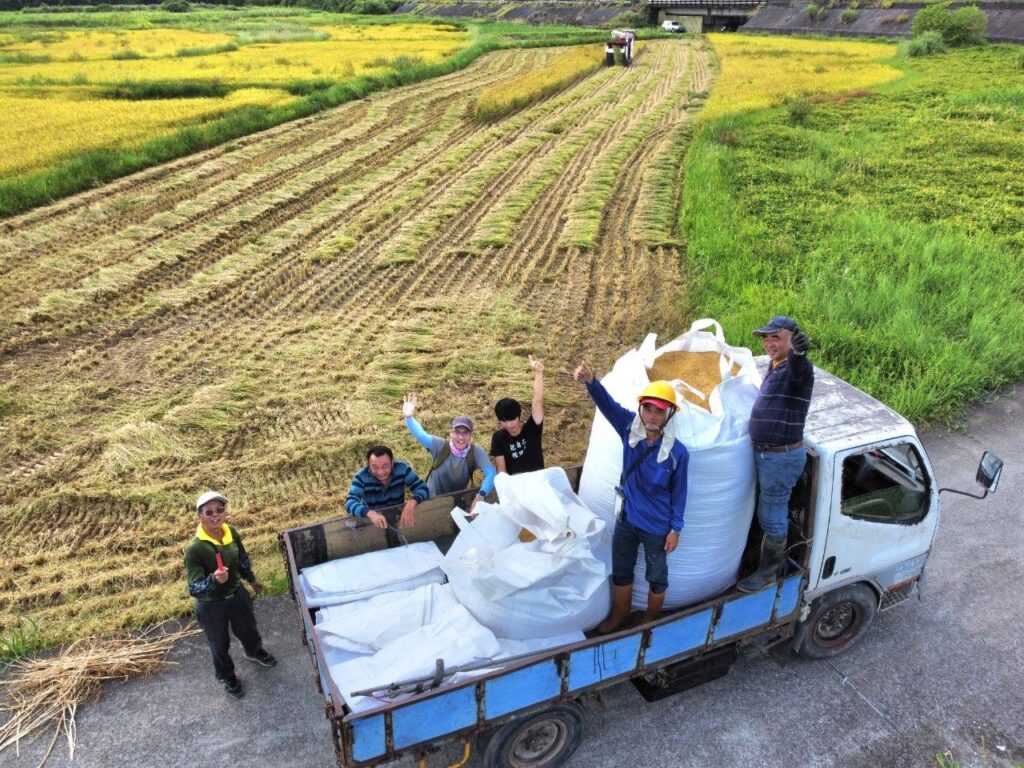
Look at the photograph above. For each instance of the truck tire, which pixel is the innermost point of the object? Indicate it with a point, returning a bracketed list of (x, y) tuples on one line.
[(543, 739), (837, 621), (609, 59)]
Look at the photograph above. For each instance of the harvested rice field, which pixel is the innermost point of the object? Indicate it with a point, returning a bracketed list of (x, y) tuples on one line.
[(249, 318)]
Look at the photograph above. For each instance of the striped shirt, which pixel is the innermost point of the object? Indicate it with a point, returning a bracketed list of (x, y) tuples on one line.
[(367, 492), (780, 411)]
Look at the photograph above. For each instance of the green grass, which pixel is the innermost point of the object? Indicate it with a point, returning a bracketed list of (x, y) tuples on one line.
[(889, 226), (95, 167), (20, 641)]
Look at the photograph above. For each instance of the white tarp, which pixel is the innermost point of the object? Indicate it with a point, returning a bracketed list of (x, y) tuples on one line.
[(352, 635), (721, 479), (367, 626), (552, 585), (457, 638), (356, 578)]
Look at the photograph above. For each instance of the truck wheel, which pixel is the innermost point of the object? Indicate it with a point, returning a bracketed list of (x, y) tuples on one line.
[(837, 621), (609, 59), (544, 739)]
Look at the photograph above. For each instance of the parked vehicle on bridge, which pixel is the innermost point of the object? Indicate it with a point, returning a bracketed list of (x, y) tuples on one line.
[(862, 521), (672, 26), (620, 41)]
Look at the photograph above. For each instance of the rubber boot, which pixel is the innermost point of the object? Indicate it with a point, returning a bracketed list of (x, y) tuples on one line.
[(654, 603), (773, 553), (622, 609)]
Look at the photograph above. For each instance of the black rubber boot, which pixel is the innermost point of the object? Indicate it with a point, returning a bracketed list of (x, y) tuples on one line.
[(773, 554)]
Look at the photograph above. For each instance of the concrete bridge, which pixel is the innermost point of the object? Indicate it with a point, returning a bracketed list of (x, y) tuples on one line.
[(703, 15)]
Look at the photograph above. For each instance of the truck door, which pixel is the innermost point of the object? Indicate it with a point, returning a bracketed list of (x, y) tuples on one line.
[(883, 517)]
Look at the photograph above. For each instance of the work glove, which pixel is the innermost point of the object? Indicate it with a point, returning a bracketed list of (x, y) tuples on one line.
[(409, 406), (800, 342)]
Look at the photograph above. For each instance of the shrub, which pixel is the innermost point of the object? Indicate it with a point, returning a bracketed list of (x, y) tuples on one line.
[(372, 7), (848, 16), (967, 26), (799, 110), (924, 44), (813, 11), (176, 6), (931, 18), (964, 26)]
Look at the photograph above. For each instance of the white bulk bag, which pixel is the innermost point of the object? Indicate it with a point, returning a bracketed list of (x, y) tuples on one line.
[(520, 590), (721, 480)]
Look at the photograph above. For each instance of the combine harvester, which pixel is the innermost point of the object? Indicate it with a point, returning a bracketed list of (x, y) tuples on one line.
[(621, 40)]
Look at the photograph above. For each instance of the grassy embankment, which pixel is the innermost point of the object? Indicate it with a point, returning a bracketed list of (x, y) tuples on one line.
[(885, 217), (111, 93)]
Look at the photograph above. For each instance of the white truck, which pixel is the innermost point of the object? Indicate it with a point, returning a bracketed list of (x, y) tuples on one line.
[(862, 521)]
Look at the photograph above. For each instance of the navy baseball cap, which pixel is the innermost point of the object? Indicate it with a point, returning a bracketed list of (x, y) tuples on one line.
[(776, 324)]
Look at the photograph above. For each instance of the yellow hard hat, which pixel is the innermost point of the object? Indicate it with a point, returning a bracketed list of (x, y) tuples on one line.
[(659, 390)]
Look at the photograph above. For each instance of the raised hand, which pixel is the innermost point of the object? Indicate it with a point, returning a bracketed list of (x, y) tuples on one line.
[(409, 405)]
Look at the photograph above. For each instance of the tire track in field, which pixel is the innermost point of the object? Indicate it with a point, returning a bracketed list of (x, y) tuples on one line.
[(171, 271), (478, 158), (279, 141), (430, 277), (338, 143), (313, 157)]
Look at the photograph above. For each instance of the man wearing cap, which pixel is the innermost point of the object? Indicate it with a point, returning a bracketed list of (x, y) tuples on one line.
[(652, 489), (517, 446), (215, 565), (777, 432), (454, 460), (382, 484)]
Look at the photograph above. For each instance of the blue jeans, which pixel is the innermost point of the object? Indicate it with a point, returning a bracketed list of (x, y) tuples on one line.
[(625, 543), (777, 473)]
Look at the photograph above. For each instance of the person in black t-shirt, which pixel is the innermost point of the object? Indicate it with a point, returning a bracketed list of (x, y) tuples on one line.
[(518, 446)]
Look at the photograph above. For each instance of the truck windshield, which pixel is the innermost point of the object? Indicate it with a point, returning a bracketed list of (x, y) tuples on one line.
[(885, 485)]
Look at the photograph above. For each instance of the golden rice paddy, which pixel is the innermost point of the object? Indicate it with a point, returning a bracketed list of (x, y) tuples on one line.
[(57, 83), (760, 71)]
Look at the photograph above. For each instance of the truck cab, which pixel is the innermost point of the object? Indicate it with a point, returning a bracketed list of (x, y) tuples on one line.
[(862, 518)]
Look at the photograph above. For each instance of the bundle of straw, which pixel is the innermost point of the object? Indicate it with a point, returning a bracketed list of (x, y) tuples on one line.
[(46, 691)]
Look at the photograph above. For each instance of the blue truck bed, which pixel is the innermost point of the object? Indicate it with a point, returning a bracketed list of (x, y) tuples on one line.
[(479, 708)]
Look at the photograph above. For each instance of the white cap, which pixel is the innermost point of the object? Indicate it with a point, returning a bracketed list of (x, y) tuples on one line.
[(209, 496)]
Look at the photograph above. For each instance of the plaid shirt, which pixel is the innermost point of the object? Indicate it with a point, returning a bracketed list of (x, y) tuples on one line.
[(780, 411), (368, 493)]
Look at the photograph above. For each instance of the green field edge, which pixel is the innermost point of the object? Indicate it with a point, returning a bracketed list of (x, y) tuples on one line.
[(918, 313)]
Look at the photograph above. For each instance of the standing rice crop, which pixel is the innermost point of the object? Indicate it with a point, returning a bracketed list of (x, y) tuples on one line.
[(512, 95)]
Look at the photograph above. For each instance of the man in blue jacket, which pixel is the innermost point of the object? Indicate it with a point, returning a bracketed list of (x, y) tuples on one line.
[(653, 491), (382, 484), (777, 432)]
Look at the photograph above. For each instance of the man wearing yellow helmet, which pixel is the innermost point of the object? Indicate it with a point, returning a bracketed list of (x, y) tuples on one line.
[(652, 489)]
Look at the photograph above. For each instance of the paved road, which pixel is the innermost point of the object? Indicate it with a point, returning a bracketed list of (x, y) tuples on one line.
[(943, 674)]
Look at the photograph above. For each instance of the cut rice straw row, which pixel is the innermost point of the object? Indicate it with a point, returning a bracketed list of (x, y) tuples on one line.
[(44, 691)]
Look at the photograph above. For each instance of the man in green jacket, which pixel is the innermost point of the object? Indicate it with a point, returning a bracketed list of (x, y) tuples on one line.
[(215, 564)]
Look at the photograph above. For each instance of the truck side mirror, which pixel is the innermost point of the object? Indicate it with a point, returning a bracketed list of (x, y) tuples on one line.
[(990, 468)]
